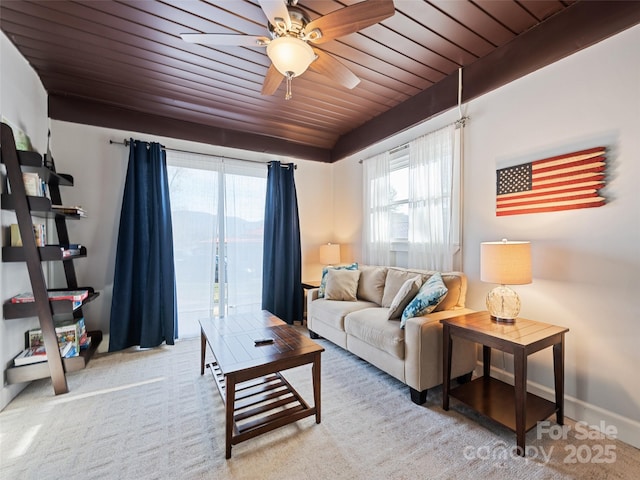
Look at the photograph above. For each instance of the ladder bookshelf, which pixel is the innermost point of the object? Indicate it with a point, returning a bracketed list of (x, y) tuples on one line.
[(26, 207)]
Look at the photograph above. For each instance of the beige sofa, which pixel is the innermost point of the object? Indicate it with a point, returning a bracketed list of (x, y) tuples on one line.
[(413, 354)]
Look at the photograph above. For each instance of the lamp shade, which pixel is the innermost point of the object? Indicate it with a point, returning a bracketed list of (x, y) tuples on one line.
[(330, 254), (290, 54), (506, 263)]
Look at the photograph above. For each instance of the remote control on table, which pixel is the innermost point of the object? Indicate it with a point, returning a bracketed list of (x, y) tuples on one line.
[(263, 341)]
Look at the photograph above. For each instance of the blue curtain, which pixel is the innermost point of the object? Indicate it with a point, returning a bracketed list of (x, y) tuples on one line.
[(282, 258), (143, 307)]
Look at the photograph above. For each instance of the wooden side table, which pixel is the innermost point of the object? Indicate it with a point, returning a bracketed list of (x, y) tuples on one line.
[(306, 286), (495, 398)]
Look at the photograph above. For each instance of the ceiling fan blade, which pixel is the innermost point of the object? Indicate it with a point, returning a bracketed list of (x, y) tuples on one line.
[(272, 81), (331, 67), (350, 19), (225, 39), (277, 13)]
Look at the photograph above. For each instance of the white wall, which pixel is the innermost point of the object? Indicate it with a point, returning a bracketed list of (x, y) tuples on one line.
[(23, 104), (99, 171), (586, 263)]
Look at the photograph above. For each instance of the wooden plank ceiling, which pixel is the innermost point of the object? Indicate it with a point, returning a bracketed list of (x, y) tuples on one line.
[(122, 64)]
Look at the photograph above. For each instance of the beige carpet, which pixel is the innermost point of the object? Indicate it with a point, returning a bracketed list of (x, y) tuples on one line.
[(150, 415)]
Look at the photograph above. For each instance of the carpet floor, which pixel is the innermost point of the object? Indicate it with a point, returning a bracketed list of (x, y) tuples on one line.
[(150, 415)]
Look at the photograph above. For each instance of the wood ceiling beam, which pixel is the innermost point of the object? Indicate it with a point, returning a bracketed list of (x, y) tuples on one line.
[(102, 115)]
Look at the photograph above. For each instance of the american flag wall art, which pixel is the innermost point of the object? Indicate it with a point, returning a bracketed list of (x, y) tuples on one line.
[(565, 182)]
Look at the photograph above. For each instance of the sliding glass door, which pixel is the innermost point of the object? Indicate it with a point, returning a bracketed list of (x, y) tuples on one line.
[(217, 208)]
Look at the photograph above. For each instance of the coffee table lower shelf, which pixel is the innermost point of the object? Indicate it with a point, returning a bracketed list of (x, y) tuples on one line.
[(262, 404), (496, 399)]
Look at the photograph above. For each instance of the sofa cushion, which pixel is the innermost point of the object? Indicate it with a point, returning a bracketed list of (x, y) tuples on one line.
[(407, 291), (332, 312), (342, 285), (372, 326), (429, 296), (323, 281), (371, 283)]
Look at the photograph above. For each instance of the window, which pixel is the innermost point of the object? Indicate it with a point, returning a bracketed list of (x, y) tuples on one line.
[(399, 197), (217, 208), (411, 195)]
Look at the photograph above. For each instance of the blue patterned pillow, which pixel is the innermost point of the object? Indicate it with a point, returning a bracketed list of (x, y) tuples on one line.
[(427, 299), (323, 282)]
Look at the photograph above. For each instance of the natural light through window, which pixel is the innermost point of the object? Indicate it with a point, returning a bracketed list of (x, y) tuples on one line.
[(412, 194), (217, 208)]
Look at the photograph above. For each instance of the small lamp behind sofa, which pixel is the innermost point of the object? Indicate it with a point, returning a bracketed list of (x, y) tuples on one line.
[(330, 254)]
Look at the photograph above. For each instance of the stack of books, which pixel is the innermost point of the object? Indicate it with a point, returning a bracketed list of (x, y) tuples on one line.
[(76, 296), (72, 250), (72, 338), (76, 210), (38, 354), (71, 331)]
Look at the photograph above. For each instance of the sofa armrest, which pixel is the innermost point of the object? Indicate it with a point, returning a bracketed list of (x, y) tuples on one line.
[(312, 294), (423, 350)]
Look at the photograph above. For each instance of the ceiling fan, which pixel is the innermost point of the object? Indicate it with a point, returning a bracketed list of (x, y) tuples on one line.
[(293, 34)]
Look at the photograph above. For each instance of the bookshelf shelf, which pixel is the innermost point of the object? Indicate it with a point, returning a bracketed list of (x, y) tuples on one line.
[(14, 311), (38, 206), (47, 253), (36, 371), (18, 163)]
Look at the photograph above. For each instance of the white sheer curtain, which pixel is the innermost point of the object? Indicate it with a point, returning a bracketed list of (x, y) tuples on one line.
[(217, 207), (434, 206), (245, 189), (376, 238)]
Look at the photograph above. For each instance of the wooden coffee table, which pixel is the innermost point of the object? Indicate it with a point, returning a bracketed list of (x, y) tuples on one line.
[(257, 397)]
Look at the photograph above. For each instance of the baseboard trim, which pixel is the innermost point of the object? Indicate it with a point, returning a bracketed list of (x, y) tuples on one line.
[(104, 345), (578, 410)]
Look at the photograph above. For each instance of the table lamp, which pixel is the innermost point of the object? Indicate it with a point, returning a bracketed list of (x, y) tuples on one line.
[(330, 254), (506, 263)]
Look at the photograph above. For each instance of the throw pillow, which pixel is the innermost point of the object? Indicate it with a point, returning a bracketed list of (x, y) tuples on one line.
[(323, 281), (393, 282), (407, 291), (342, 285), (430, 295), (371, 283)]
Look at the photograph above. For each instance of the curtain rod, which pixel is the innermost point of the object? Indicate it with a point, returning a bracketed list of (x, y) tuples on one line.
[(126, 142), (461, 122)]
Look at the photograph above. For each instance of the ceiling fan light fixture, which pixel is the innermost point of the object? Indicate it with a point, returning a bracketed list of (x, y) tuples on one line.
[(290, 54)]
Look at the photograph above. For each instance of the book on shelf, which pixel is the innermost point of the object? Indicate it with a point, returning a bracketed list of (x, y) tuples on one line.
[(39, 231), (33, 184), (71, 250), (39, 354), (71, 331), (76, 210), (72, 295)]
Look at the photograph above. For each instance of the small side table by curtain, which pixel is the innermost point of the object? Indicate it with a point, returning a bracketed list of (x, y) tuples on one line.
[(495, 398), (306, 286)]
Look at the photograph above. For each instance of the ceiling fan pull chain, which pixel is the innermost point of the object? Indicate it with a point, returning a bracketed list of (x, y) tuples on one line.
[(288, 93)]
